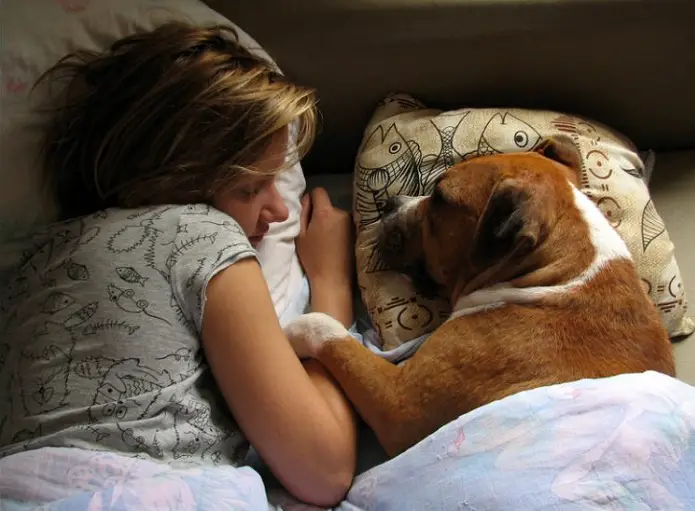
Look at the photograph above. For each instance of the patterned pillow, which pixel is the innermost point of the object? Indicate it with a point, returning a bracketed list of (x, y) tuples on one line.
[(406, 146)]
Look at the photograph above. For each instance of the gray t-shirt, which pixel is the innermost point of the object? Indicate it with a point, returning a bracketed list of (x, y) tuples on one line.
[(99, 336)]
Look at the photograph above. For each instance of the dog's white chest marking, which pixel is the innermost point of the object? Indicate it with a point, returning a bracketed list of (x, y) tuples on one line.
[(608, 244)]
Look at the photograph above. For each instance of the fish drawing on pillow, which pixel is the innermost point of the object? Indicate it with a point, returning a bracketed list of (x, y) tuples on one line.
[(389, 165)]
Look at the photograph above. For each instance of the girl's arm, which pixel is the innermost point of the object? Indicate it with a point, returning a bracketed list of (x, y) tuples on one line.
[(297, 419), (333, 299)]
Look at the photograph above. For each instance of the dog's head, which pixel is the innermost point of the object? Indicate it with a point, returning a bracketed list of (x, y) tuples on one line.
[(483, 222)]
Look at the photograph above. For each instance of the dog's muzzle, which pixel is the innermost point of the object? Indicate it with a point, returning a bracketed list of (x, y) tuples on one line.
[(397, 243), (400, 243)]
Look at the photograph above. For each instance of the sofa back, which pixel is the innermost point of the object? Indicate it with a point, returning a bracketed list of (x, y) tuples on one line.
[(627, 63)]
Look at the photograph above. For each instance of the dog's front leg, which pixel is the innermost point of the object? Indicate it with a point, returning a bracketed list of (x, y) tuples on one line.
[(372, 384)]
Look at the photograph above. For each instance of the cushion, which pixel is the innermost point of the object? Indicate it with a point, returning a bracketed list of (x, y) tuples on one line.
[(406, 146), (38, 33)]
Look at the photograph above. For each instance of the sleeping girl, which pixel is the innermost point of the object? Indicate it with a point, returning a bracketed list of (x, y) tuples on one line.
[(140, 323)]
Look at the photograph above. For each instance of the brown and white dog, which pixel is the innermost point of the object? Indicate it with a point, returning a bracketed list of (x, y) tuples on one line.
[(543, 291)]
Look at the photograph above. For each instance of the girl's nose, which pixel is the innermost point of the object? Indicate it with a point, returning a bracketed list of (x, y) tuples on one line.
[(275, 209)]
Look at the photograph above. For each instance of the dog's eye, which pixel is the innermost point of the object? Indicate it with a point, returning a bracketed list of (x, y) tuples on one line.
[(394, 241)]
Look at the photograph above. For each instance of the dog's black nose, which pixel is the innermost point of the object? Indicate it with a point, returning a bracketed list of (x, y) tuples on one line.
[(392, 204)]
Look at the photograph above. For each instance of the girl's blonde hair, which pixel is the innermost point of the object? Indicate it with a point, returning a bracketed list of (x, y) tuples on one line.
[(169, 116)]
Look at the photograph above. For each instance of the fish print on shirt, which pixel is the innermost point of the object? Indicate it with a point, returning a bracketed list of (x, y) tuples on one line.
[(125, 300), (180, 315), (150, 214), (123, 389), (181, 246), (56, 302), (197, 209), (75, 270), (44, 369), (27, 435), (112, 308), (16, 289), (188, 361), (131, 276), (48, 256), (197, 434), (95, 432), (80, 316), (36, 261), (104, 325), (130, 237), (229, 225), (198, 271), (139, 443), (232, 248), (75, 235)]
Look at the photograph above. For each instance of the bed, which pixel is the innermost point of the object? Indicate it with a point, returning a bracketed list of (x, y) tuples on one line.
[(620, 443), (626, 442)]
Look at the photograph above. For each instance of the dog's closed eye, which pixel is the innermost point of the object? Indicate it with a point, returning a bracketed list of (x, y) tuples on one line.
[(393, 241)]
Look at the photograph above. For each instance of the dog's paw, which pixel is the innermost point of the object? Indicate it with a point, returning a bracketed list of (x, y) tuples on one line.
[(310, 331)]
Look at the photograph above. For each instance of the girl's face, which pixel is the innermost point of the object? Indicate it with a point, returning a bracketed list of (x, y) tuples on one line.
[(257, 203)]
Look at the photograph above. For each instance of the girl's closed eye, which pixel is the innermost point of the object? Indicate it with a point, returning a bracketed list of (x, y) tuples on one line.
[(252, 190)]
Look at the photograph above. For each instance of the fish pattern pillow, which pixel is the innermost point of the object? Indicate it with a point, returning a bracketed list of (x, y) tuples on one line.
[(406, 146)]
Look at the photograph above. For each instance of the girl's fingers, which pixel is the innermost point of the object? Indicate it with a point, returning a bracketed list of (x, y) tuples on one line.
[(305, 214)]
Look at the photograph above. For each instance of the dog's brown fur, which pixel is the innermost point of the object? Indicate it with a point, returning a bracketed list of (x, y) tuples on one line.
[(505, 218)]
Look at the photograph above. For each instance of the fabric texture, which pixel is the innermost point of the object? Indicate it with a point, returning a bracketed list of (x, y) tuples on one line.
[(406, 146), (100, 329), (616, 443), (69, 479), (35, 36), (624, 442)]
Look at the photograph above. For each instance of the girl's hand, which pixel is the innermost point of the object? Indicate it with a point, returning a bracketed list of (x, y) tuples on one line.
[(325, 243), (326, 250)]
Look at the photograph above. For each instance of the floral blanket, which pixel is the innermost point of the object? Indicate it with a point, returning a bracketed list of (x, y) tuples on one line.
[(626, 442)]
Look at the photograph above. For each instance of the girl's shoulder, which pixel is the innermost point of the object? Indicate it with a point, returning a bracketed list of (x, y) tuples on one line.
[(117, 233), (167, 217)]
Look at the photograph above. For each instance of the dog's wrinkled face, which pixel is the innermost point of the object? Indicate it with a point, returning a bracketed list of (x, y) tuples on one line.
[(484, 217)]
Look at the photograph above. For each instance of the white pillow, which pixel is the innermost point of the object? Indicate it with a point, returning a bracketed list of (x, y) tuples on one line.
[(35, 35)]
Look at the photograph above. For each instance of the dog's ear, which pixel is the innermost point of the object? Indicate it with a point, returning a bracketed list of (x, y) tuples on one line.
[(562, 149), (513, 223)]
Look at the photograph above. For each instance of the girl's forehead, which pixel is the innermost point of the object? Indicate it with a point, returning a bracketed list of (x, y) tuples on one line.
[(274, 156)]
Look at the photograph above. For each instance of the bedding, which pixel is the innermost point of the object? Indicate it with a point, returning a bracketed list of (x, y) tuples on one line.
[(626, 442)]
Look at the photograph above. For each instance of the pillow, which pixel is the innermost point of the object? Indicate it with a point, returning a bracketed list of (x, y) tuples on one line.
[(406, 146), (35, 36)]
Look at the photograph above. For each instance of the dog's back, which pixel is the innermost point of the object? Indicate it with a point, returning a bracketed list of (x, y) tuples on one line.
[(598, 323), (607, 328)]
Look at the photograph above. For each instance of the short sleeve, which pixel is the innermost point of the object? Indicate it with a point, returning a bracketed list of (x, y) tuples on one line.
[(206, 242)]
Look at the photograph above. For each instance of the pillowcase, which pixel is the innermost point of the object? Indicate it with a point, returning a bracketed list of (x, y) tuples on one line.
[(406, 146), (35, 36)]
